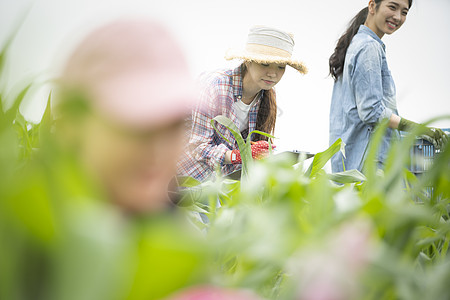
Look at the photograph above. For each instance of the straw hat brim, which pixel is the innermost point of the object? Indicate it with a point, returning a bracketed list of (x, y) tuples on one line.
[(261, 58)]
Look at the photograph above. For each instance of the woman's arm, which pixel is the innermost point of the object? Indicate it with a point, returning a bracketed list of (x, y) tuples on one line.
[(394, 121), (205, 145), (433, 135), (368, 89), (368, 86)]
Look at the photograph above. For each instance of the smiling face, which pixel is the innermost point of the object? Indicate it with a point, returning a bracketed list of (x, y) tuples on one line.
[(387, 17), (265, 76)]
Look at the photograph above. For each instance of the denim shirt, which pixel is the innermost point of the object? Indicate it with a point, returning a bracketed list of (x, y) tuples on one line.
[(362, 96)]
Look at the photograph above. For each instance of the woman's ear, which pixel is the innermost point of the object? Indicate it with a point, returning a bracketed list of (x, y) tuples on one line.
[(372, 7)]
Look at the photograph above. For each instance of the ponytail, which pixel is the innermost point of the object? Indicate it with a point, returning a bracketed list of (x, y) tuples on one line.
[(337, 59)]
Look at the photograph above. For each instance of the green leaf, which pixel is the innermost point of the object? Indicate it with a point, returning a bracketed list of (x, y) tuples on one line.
[(24, 134), (249, 137), (245, 149), (12, 113), (370, 165), (47, 118), (351, 176), (320, 159), (2, 113), (187, 181)]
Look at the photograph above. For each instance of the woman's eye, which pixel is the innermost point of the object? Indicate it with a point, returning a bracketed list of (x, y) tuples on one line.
[(405, 13), (282, 67), (265, 65)]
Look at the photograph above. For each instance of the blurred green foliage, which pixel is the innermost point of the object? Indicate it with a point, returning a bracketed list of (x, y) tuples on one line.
[(59, 236), (267, 221), (284, 232)]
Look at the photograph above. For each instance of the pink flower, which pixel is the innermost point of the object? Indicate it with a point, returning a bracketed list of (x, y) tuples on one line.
[(214, 293), (331, 269)]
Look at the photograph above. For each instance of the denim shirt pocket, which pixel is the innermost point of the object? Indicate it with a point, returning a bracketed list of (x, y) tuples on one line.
[(389, 91), (388, 83)]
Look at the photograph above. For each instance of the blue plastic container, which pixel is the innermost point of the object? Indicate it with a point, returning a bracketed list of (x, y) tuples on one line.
[(422, 155)]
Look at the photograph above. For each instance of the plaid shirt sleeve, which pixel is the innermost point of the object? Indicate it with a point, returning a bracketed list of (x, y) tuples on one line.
[(206, 149), (206, 144)]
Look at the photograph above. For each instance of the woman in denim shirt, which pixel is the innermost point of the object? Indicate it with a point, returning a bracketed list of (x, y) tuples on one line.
[(364, 92)]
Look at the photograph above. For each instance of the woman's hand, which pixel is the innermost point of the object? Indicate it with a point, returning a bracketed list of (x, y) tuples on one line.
[(260, 150), (433, 135)]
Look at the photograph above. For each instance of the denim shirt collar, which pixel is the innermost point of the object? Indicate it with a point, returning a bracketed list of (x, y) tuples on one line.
[(366, 30)]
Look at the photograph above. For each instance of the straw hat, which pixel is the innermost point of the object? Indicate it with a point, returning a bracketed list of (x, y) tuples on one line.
[(268, 45), (134, 72)]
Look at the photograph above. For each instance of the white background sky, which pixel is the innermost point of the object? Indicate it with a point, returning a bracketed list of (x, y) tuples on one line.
[(418, 54)]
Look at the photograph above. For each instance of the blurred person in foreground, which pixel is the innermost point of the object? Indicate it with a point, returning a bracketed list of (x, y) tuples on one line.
[(121, 105), (135, 82)]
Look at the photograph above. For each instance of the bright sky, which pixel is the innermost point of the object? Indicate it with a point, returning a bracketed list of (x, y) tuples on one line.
[(418, 54)]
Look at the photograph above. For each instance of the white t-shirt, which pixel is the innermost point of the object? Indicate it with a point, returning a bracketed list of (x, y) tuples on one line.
[(242, 111)]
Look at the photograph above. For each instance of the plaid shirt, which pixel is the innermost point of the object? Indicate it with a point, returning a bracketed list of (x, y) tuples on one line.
[(206, 149)]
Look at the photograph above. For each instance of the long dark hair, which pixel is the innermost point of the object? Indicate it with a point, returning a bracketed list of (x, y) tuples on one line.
[(337, 59), (267, 114)]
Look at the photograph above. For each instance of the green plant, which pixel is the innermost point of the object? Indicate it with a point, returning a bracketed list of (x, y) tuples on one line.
[(244, 146), (272, 234), (60, 238), (283, 232)]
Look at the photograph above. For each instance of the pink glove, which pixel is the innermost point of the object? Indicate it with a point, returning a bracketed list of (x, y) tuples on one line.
[(260, 150)]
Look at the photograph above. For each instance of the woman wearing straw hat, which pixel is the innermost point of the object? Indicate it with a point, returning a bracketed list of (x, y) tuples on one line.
[(246, 96)]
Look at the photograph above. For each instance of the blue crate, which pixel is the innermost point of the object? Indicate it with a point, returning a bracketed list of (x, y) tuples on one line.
[(422, 155)]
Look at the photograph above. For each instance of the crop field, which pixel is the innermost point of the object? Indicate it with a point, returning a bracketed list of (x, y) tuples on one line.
[(283, 231)]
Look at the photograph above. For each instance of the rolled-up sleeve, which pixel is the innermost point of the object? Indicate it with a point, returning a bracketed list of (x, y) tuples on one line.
[(367, 82)]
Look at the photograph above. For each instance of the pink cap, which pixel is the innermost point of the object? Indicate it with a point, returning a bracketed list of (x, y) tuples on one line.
[(134, 72)]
